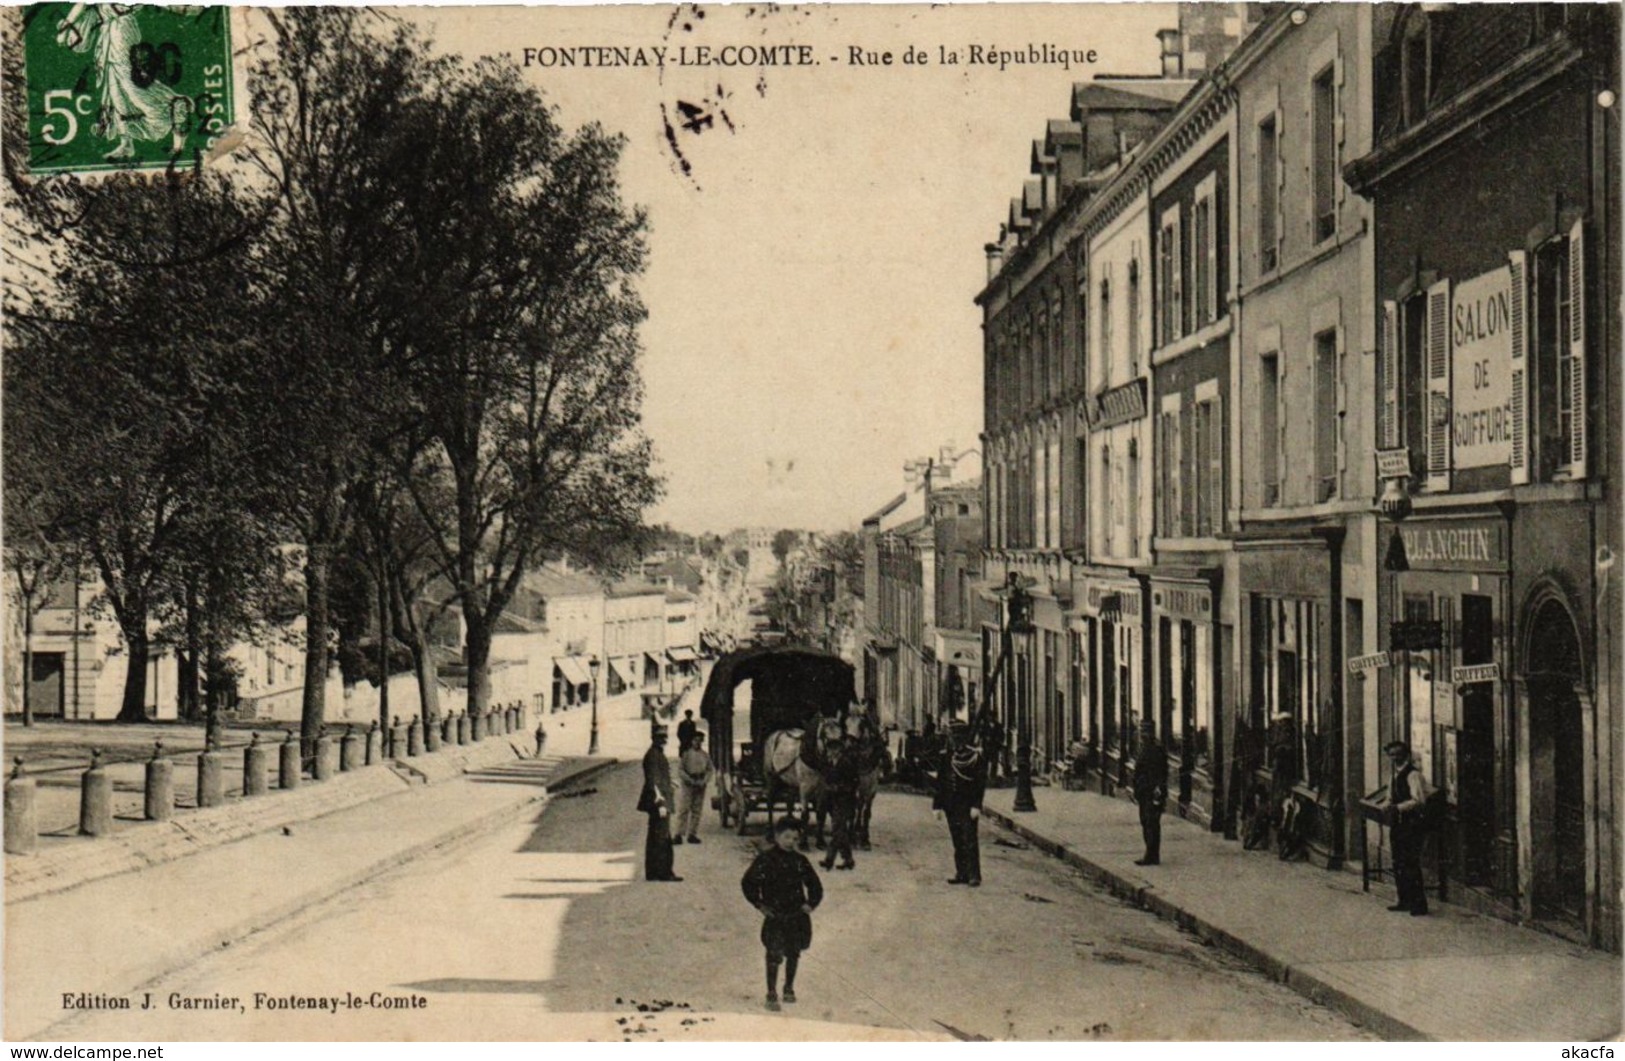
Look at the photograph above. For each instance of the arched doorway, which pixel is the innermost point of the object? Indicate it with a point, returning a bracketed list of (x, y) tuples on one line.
[(1555, 680)]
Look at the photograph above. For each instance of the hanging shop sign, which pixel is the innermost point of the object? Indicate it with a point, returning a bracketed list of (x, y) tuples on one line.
[(1478, 672), (1373, 661), (1393, 463)]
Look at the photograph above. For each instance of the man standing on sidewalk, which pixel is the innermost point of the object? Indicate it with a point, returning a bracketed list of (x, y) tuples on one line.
[(961, 784), (694, 768), (1151, 791), (1407, 801), (656, 802)]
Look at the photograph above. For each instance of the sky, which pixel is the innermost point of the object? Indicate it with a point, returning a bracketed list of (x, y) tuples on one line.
[(812, 272)]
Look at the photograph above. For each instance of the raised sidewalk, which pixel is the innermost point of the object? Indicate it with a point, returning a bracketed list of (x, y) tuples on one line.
[(116, 933), (1453, 975)]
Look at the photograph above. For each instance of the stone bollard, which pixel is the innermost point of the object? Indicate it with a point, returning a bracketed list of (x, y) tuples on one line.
[(95, 798), (349, 751), (22, 821), (476, 727), (288, 768), (326, 757), (255, 763), (160, 798), (508, 720), (431, 736), (375, 750), (211, 789), (448, 730), (397, 741), (414, 738), (462, 728)]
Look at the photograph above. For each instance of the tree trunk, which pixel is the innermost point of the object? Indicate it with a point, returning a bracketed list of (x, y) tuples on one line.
[(214, 668), (134, 708), (477, 658), (384, 627), (28, 658), (314, 712), (187, 701), (428, 678)]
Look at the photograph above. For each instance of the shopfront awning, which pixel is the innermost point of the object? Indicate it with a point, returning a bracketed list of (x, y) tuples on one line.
[(654, 661), (626, 668), (681, 654), (573, 669)]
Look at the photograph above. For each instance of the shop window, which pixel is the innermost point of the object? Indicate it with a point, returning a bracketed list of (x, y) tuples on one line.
[(1286, 682), (1323, 116), (1269, 195)]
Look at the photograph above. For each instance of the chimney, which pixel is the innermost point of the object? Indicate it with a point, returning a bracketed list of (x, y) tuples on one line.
[(995, 256), (1173, 57)]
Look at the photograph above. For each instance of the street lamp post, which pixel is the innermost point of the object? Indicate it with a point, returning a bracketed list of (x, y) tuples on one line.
[(1019, 620), (592, 742)]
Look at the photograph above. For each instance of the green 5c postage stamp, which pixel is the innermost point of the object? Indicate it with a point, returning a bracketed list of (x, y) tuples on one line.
[(122, 86)]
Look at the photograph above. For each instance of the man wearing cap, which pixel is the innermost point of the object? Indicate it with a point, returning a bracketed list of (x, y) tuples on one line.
[(1151, 791), (961, 784), (656, 802), (1407, 800), (694, 768)]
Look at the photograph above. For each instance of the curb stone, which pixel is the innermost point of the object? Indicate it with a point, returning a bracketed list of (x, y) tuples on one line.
[(1277, 969), (265, 919)]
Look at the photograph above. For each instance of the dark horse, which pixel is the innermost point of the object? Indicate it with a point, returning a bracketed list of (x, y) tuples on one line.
[(874, 761)]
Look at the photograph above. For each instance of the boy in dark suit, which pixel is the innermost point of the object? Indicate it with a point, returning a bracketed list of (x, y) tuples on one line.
[(783, 886)]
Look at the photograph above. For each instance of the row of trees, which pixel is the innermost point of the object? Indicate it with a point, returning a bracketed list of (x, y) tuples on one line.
[(391, 343)]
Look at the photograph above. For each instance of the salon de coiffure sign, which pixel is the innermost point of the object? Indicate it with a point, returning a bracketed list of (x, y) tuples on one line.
[(1481, 370)]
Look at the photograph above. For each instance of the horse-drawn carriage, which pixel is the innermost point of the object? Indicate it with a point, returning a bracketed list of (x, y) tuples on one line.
[(790, 688)]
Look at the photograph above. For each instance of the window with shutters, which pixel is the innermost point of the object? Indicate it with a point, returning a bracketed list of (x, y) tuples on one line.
[(1053, 515), (1269, 189), (1131, 498), (1269, 429), (1558, 427), (1323, 116)]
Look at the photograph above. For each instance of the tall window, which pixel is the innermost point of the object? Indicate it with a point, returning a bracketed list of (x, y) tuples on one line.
[(1168, 504), (1269, 190), (1171, 278), (1559, 351), (1207, 460), (1108, 514), (1056, 368), (1204, 256), (1053, 513), (1413, 385), (1416, 69), (1041, 354), (1105, 331), (1133, 317), (1324, 117), (1328, 429), (1269, 428), (1131, 498)]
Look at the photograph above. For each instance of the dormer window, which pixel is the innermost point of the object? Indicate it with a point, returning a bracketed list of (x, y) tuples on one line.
[(1416, 52)]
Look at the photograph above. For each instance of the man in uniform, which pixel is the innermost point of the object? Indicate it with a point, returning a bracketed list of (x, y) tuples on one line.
[(1150, 791), (1407, 800), (961, 784), (656, 802)]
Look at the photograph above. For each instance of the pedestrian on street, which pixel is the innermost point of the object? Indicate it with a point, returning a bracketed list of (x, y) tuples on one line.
[(656, 802), (1407, 803), (686, 730), (961, 784), (1151, 791), (840, 777), (541, 736), (991, 737), (783, 886), (694, 769)]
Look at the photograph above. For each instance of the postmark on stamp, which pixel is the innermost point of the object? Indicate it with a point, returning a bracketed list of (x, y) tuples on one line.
[(125, 87)]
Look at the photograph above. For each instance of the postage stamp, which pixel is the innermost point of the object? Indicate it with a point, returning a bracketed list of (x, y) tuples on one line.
[(125, 86)]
